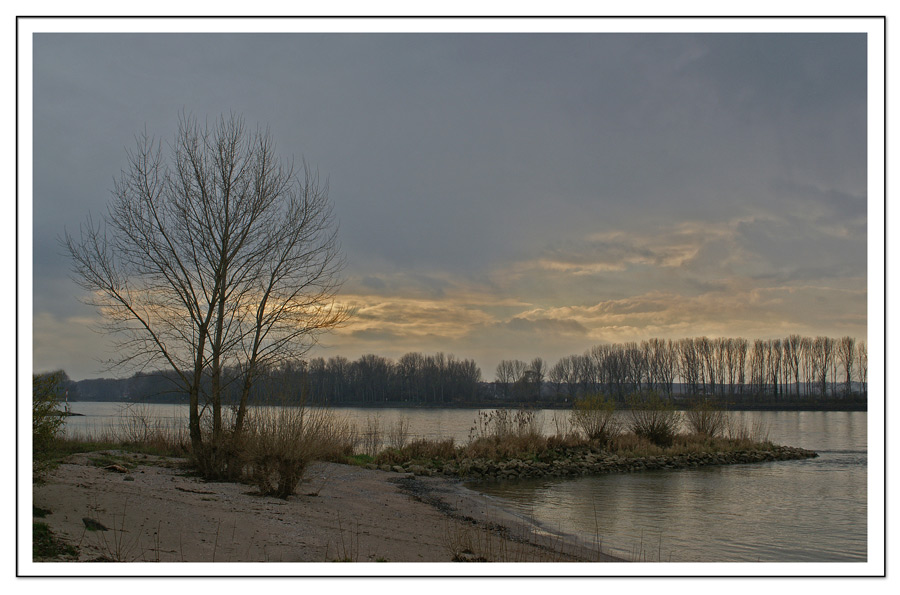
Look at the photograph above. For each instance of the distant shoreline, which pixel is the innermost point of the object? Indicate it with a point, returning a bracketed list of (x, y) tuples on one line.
[(831, 406)]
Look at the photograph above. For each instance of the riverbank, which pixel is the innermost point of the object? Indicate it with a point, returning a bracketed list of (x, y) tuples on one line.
[(154, 510)]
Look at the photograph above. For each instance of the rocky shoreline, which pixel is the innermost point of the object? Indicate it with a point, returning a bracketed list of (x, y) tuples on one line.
[(581, 462)]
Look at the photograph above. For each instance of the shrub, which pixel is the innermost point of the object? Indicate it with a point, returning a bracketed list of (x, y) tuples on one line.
[(279, 443), (219, 456), (46, 418), (398, 433), (706, 418), (653, 418), (594, 415), (137, 424)]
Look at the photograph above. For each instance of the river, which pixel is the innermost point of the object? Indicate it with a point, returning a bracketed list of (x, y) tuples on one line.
[(812, 510)]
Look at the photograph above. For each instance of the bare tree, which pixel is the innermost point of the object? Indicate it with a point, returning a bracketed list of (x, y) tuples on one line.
[(564, 373), (667, 355), (558, 374), (635, 365), (704, 349), (506, 375), (824, 354), (213, 253), (535, 373), (741, 346), (862, 365), (773, 363), (846, 352), (758, 367), (808, 363), (792, 357), (720, 347), (587, 372), (689, 365)]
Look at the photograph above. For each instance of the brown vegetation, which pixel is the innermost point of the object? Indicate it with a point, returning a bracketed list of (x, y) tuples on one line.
[(653, 430)]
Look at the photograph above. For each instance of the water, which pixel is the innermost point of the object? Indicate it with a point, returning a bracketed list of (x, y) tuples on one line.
[(790, 511), (432, 424)]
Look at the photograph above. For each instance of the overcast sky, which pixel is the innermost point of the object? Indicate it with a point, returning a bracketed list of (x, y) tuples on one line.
[(501, 195)]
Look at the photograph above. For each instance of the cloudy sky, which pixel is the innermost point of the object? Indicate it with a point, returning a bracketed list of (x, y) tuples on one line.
[(501, 195)]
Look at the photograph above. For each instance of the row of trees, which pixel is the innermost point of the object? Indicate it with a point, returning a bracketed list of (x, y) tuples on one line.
[(414, 378), (781, 369), (371, 379), (737, 370)]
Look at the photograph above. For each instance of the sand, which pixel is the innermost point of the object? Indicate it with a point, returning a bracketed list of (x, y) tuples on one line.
[(158, 512)]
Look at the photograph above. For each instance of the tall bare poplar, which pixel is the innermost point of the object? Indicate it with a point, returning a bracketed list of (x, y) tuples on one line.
[(824, 354), (741, 346), (793, 345), (846, 353), (214, 253), (862, 365)]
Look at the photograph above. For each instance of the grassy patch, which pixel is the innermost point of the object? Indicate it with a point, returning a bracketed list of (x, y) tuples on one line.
[(64, 447), (37, 511), (46, 546), (359, 459)]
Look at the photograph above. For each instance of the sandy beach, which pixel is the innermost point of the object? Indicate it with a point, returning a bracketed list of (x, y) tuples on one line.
[(156, 511)]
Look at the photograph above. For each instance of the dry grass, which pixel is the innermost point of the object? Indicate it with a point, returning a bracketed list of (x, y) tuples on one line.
[(420, 450), (133, 432), (499, 436), (738, 430), (279, 443), (371, 436), (633, 446), (500, 424)]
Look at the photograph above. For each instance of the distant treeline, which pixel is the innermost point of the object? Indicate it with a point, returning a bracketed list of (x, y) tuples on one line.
[(789, 371), (779, 370)]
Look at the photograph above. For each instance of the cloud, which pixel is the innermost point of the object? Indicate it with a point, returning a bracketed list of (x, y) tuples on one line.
[(505, 194), (377, 335), (752, 311), (411, 316), (541, 326), (641, 248)]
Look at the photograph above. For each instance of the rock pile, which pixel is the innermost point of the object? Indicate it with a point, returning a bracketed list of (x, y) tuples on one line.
[(574, 463)]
